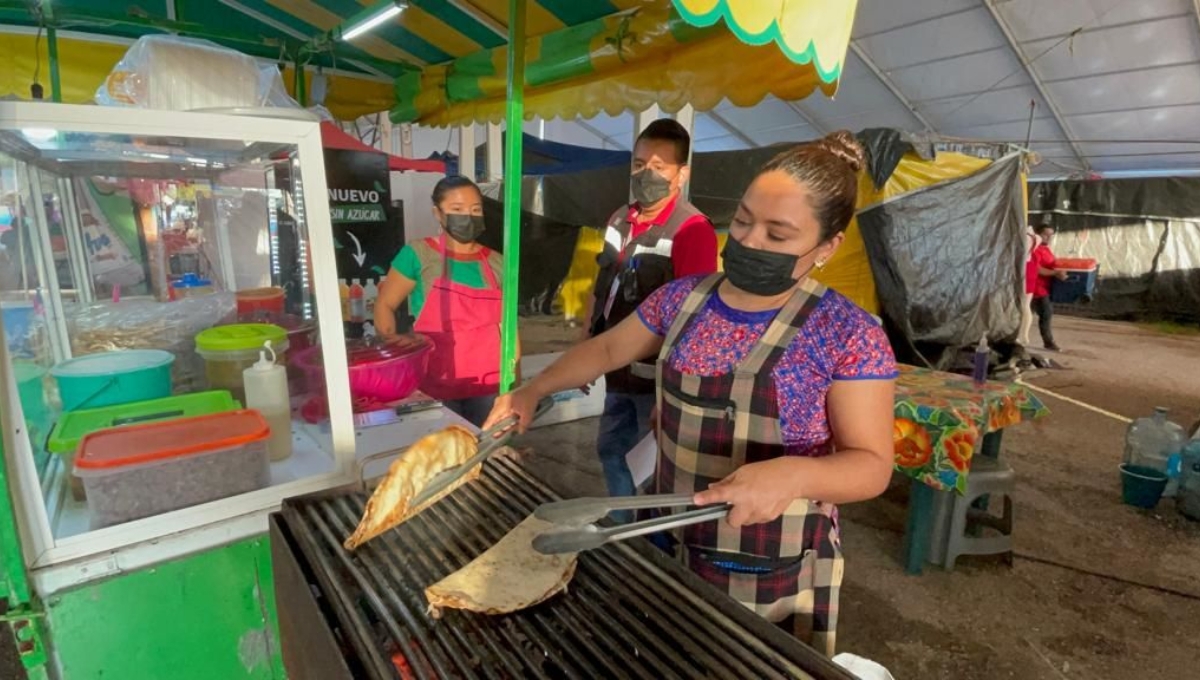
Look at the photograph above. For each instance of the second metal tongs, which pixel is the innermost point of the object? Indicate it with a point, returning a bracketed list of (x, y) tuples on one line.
[(575, 519)]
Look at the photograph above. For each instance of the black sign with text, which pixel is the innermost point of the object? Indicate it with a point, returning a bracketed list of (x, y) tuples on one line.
[(367, 229)]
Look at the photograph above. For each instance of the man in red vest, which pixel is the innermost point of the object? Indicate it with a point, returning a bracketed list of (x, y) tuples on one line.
[(648, 243)]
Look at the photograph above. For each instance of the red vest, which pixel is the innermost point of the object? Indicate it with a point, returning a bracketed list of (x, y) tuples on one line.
[(638, 266)]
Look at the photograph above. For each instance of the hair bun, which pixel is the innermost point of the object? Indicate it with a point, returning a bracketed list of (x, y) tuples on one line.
[(844, 145)]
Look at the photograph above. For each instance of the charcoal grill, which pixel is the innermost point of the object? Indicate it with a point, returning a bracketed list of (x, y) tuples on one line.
[(629, 612)]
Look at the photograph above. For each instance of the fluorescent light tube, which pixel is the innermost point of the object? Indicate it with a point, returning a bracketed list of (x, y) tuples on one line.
[(370, 23)]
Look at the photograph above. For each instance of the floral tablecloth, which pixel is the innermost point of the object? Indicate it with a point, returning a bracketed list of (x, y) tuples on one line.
[(941, 417)]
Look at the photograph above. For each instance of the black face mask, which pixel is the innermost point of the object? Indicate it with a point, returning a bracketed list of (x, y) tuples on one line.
[(759, 272), (649, 187), (464, 228)]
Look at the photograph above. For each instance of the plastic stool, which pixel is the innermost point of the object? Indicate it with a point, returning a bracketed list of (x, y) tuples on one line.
[(955, 518)]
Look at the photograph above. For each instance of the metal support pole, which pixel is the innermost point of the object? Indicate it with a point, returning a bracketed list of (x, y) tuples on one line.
[(56, 323), (55, 80), (687, 118), (466, 151), (641, 120), (14, 582), (301, 86), (87, 290), (512, 192), (406, 140), (1038, 85), (228, 270), (385, 134), (495, 155), (76, 248)]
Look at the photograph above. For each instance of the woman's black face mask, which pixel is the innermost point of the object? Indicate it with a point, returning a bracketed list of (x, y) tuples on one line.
[(760, 272), (464, 228)]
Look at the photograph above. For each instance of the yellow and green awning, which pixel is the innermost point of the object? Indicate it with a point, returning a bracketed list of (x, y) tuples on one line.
[(652, 52), (447, 57), (812, 32)]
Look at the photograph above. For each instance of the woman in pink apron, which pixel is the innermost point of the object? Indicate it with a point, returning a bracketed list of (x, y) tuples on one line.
[(775, 394), (452, 285)]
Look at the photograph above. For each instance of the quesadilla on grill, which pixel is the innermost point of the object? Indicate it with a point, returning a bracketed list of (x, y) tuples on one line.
[(508, 577), (390, 505)]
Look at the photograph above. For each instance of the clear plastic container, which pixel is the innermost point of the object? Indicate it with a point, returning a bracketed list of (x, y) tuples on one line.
[(190, 285), (143, 470), (255, 301), (230, 350), (73, 426)]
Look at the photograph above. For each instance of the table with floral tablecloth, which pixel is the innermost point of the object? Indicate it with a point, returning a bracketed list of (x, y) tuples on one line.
[(942, 418)]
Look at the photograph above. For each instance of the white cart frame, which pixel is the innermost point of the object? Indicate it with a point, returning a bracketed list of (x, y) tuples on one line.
[(59, 563)]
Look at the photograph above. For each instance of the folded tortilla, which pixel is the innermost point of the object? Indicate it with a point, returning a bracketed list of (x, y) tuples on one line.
[(390, 505), (508, 577)]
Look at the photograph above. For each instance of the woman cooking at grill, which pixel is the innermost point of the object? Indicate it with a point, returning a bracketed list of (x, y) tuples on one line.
[(452, 284), (774, 393)]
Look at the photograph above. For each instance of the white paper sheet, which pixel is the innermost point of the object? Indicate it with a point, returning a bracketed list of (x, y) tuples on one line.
[(642, 460)]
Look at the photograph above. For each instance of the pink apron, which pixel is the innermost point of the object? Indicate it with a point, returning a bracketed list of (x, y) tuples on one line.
[(464, 324)]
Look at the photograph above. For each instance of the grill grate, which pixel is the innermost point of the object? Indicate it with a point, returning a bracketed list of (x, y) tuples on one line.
[(629, 612)]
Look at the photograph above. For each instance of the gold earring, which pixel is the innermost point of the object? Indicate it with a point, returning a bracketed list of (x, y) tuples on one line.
[(820, 264)]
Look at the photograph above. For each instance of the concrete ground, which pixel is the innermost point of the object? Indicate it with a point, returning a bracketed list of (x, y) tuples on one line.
[(1099, 590)]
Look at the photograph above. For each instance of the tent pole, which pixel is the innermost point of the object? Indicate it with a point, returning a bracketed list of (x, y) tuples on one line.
[(55, 80), (641, 120), (466, 151), (687, 118), (48, 19), (514, 119), (495, 155), (301, 85)]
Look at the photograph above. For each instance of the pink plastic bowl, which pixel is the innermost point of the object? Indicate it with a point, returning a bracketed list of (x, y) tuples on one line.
[(382, 372), (388, 379)]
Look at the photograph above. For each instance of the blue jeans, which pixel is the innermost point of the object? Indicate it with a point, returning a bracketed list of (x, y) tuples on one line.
[(625, 421)]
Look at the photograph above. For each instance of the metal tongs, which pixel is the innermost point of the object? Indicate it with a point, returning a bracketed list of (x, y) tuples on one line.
[(491, 440), (575, 519)]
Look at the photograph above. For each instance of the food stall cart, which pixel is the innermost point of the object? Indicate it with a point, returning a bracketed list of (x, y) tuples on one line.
[(194, 585), (75, 555)]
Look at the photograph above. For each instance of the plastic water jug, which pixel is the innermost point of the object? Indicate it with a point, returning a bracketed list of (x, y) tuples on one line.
[(1155, 442), (1188, 500)]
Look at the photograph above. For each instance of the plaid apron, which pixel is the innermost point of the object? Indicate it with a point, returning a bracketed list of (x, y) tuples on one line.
[(788, 571)]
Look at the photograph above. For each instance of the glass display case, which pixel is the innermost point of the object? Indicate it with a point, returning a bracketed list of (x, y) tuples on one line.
[(145, 259)]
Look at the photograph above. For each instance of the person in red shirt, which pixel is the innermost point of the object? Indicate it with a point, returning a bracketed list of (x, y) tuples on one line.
[(1031, 244), (656, 239), (1040, 273)]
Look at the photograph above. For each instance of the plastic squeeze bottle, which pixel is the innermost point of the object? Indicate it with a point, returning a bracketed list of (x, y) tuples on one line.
[(980, 365), (267, 392), (358, 306), (344, 294), (370, 294)]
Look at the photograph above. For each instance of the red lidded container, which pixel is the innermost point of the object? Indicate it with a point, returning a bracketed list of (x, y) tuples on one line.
[(137, 471)]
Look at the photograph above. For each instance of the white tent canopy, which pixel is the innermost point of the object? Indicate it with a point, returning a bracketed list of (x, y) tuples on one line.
[(1115, 85)]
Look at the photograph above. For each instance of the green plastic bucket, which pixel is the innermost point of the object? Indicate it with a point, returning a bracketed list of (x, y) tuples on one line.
[(109, 378), (1142, 487)]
